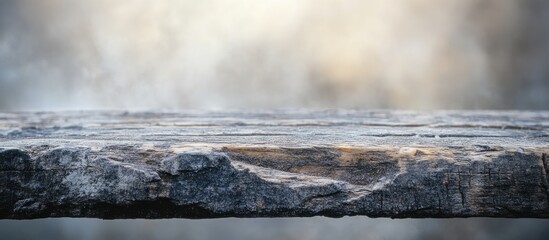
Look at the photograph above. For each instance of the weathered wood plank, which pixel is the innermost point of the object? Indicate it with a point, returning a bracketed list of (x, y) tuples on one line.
[(274, 163)]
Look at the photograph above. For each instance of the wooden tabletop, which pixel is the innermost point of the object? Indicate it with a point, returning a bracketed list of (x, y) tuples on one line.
[(196, 164)]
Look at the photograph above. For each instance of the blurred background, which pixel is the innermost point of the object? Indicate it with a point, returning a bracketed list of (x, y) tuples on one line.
[(277, 229), (258, 54), (216, 54)]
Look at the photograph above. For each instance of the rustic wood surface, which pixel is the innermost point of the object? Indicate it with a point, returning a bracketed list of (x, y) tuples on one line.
[(274, 163)]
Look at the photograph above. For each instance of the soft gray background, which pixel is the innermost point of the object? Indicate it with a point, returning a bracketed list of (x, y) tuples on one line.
[(274, 229), (256, 54), (216, 54)]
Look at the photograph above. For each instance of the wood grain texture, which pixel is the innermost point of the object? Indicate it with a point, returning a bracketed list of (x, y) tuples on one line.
[(274, 163)]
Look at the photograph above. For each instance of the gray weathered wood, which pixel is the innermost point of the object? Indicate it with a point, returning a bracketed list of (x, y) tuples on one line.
[(274, 163)]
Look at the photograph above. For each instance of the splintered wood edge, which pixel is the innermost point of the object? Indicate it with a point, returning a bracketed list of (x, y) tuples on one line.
[(274, 164)]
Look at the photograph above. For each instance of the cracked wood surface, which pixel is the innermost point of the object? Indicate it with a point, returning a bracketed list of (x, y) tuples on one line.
[(273, 164)]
